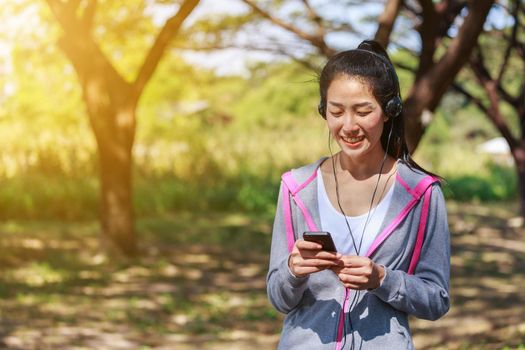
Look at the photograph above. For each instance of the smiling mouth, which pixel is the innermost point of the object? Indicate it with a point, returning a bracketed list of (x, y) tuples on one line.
[(353, 139)]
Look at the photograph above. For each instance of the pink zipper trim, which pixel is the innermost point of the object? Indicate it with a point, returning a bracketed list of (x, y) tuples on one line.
[(288, 218), (404, 184), (422, 186), (420, 232), (340, 327), (294, 188), (390, 228), (416, 193), (307, 216), (291, 187)]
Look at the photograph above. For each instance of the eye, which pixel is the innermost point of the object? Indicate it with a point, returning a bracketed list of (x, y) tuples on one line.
[(363, 113), (336, 113)]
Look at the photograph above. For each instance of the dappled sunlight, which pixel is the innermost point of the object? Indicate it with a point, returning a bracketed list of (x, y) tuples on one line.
[(184, 293), (35, 275), (193, 273), (196, 258), (30, 243), (250, 270), (486, 283), (198, 285), (131, 273)]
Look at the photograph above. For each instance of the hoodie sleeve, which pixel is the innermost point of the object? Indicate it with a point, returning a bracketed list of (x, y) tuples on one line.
[(424, 294), (285, 291)]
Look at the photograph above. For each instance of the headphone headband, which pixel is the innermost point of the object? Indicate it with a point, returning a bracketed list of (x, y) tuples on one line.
[(393, 107)]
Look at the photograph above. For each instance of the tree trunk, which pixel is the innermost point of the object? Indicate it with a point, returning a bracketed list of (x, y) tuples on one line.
[(413, 112), (111, 105), (111, 108), (433, 78), (114, 131), (116, 210), (519, 158)]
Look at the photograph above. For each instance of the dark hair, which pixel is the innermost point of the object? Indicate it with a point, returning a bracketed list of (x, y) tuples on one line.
[(371, 63)]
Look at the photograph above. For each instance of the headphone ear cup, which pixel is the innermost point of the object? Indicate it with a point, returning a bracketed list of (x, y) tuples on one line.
[(394, 107), (321, 108)]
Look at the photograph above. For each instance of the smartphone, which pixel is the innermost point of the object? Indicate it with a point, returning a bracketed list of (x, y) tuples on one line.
[(321, 237)]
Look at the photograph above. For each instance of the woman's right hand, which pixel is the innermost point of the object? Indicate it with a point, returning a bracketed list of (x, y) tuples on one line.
[(307, 257)]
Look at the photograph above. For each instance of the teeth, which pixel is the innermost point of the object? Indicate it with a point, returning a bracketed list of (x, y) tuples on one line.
[(351, 139)]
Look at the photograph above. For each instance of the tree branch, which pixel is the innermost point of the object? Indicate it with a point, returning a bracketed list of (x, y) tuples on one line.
[(410, 9), (511, 42), (460, 48), (427, 32), (65, 15), (386, 21), (490, 86), (432, 82), (154, 55), (448, 11), (314, 16), (335, 26), (89, 14), (316, 40), (404, 66), (436, 22), (477, 101), (283, 50), (78, 44), (72, 5)]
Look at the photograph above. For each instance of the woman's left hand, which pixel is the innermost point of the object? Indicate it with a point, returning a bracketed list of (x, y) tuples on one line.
[(359, 272)]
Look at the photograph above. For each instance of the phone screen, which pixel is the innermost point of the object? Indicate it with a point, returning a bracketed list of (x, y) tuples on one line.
[(321, 237)]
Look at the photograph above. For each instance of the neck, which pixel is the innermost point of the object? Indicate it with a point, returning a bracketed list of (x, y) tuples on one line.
[(363, 168)]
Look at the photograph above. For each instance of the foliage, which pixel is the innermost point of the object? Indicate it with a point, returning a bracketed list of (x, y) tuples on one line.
[(223, 145)]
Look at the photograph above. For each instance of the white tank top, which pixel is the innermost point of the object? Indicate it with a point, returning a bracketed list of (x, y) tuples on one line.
[(334, 222)]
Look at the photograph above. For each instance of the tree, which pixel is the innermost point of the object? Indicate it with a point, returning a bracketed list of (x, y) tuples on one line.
[(439, 58), (502, 98), (111, 103)]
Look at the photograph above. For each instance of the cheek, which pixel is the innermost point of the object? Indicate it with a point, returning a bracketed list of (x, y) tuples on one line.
[(374, 126), (333, 124)]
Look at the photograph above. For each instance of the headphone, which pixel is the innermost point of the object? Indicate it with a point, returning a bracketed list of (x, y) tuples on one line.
[(393, 107)]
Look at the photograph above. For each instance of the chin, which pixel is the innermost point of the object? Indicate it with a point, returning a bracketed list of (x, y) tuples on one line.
[(355, 154)]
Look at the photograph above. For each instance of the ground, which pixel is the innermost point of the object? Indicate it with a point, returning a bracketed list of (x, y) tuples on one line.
[(200, 284)]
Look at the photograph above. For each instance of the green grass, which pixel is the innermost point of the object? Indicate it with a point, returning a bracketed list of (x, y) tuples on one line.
[(43, 197)]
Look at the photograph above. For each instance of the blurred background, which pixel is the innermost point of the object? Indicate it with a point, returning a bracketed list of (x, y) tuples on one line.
[(142, 143)]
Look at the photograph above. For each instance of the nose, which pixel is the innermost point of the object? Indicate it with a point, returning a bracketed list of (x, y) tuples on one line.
[(350, 126)]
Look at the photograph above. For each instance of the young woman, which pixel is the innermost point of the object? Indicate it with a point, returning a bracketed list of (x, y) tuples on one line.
[(386, 216)]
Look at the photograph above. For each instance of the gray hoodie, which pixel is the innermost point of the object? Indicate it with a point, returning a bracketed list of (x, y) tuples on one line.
[(379, 317)]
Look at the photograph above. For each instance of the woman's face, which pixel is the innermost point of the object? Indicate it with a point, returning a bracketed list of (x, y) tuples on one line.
[(355, 118)]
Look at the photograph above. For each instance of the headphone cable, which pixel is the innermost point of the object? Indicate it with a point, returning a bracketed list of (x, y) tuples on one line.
[(368, 218)]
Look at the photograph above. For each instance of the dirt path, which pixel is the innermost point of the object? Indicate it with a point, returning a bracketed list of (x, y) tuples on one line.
[(201, 285)]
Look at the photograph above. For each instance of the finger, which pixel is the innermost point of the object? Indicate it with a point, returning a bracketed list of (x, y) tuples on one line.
[(337, 269), (321, 254), (303, 271), (356, 271), (355, 280), (302, 244), (356, 261), (299, 261), (319, 263)]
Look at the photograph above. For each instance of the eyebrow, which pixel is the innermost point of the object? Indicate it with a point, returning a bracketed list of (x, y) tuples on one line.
[(357, 105)]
